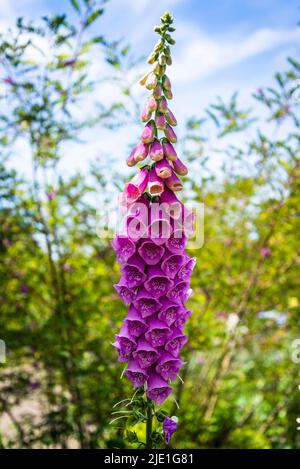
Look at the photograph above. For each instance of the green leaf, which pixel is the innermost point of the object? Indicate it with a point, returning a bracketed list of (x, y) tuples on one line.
[(75, 5), (94, 16)]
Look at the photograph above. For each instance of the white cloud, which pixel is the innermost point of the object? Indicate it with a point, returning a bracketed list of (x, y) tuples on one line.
[(202, 55)]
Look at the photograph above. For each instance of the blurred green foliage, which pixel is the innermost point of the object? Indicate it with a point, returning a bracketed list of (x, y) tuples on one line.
[(59, 312)]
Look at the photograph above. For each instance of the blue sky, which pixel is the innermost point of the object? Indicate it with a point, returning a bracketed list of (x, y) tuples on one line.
[(222, 46)]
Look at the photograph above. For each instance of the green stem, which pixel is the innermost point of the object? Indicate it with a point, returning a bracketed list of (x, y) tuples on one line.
[(149, 425)]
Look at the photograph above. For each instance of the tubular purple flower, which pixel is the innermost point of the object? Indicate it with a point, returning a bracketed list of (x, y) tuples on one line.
[(133, 271), (169, 427), (163, 169), (136, 325), (175, 342), (172, 263), (148, 133), (157, 388), (170, 134), (155, 183), (174, 183), (179, 292), (186, 270), (150, 252), (179, 167), (177, 241), (170, 118), (169, 311), (125, 341), (168, 366), (124, 248), (158, 332), (158, 284), (145, 354), (156, 151), (145, 303), (160, 121), (135, 188), (181, 320), (123, 356), (169, 150), (136, 374), (171, 204), (126, 293)]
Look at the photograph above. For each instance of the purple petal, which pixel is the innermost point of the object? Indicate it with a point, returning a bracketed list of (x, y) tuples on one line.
[(133, 271), (179, 292), (168, 366), (136, 374), (145, 303), (177, 242), (157, 333), (157, 388), (175, 342), (186, 270), (125, 292), (169, 311), (145, 354), (158, 284), (135, 323), (150, 252), (124, 248), (172, 264), (169, 427)]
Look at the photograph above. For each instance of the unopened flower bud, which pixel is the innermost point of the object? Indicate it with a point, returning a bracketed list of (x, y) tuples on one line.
[(143, 80), (171, 119), (166, 83), (151, 58), (174, 183), (163, 106), (169, 60), (162, 60), (152, 104), (167, 51), (156, 151), (131, 159), (156, 68), (170, 134), (157, 92), (157, 46), (141, 151), (169, 150), (148, 133), (168, 94), (170, 39), (179, 167), (151, 81), (146, 113), (163, 169), (155, 184), (160, 121)]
